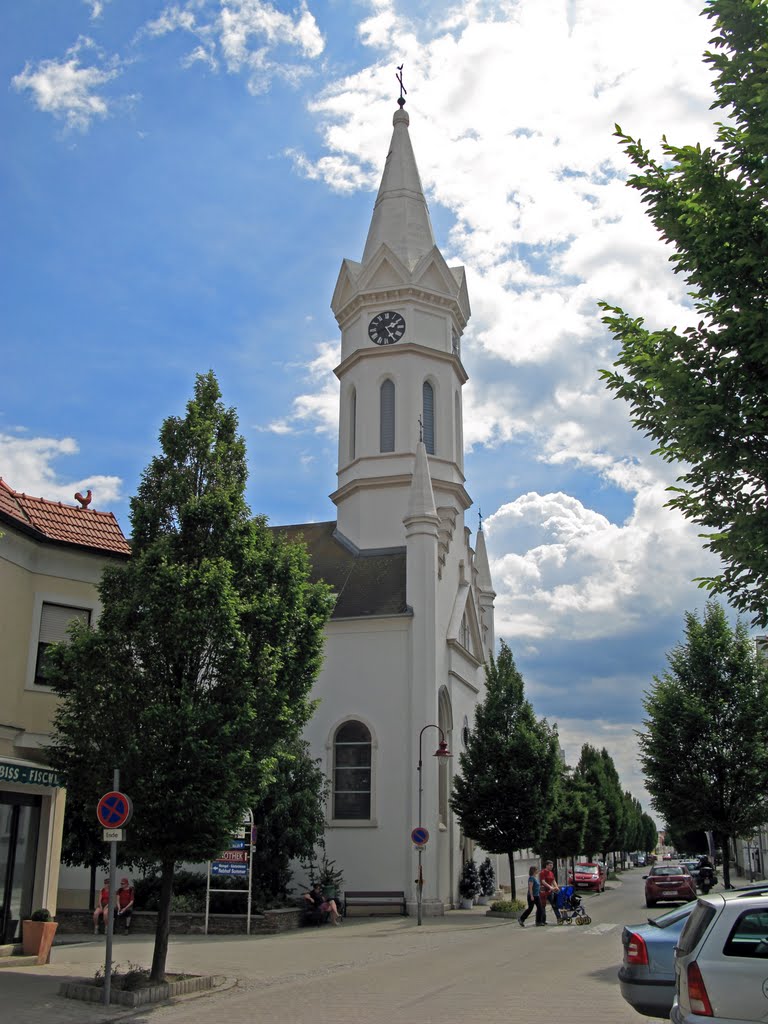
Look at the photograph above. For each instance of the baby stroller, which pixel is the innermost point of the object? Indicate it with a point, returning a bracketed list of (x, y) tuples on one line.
[(570, 907)]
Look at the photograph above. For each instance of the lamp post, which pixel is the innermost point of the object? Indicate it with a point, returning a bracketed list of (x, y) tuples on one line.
[(442, 752)]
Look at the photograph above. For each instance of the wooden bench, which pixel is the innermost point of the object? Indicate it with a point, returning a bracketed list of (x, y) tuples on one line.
[(373, 900)]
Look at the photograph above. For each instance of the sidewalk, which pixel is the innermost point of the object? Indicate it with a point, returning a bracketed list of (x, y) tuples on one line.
[(29, 994)]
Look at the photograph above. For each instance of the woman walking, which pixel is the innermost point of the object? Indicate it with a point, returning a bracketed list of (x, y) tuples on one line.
[(534, 890)]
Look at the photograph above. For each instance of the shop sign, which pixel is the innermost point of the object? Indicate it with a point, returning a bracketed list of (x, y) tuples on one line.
[(26, 775)]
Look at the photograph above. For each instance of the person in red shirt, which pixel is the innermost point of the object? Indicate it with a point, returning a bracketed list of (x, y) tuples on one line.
[(102, 908), (549, 889), (125, 902)]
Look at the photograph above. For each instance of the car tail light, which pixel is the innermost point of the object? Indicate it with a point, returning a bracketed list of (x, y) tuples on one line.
[(697, 992), (637, 952)]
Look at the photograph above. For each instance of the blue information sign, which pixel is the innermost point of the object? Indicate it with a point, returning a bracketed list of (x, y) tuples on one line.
[(420, 836), (223, 867)]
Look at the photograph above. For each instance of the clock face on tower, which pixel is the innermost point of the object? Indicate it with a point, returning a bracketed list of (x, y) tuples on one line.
[(386, 328)]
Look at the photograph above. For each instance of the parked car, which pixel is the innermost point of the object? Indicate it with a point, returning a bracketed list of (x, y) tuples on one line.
[(693, 868), (588, 875), (641, 860), (647, 972), (720, 963), (668, 882)]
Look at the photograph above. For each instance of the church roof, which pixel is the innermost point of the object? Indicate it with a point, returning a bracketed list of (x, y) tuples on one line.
[(364, 584), (400, 215), (51, 521)]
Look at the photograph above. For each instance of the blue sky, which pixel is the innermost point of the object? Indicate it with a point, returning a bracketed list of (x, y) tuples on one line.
[(179, 183)]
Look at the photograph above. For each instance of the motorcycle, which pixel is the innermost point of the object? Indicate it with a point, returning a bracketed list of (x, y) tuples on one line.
[(707, 879)]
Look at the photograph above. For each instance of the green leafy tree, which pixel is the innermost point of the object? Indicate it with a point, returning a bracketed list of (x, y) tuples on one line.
[(564, 835), (701, 394), (510, 769), (704, 750), (614, 805), (289, 819), (590, 773), (199, 669), (650, 834)]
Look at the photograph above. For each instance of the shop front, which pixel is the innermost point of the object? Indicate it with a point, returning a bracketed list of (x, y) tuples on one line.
[(31, 822)]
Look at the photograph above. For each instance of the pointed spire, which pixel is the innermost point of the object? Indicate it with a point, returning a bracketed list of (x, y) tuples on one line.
[(481, 562), (421, 500), (400, 215)]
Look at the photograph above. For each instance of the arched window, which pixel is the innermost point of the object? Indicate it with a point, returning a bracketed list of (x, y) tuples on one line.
[(457, 426), (352, 772), (352, 423), (387, 417), (428, 401)]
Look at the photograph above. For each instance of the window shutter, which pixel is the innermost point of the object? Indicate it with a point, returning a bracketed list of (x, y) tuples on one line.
[(55, 620), (428, 397), (387, 424), (352, 423)]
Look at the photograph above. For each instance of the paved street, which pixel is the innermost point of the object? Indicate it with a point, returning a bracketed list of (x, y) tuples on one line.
[(463, 967)]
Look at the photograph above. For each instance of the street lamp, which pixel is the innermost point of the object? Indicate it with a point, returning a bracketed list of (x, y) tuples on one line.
[(442, 752)]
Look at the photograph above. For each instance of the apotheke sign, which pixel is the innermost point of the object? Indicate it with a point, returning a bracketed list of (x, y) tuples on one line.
[(26, 775)]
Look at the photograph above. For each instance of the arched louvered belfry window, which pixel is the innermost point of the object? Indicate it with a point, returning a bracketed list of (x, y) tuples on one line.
[(387, 417), (352, 772), (428, 401), (352, 423), (457, 426)]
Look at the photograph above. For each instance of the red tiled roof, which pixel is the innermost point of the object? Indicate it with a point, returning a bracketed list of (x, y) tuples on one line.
[(63, 524)]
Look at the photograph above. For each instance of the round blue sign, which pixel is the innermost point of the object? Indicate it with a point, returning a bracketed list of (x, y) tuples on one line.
[(420, 836)]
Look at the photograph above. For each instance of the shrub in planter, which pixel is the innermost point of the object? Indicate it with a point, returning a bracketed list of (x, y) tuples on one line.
[(37, 934), (469, 883), (507, 907), (487, 879)]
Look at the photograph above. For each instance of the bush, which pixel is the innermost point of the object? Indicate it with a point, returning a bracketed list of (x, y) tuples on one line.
[(189, 893), (487, 878), (507, 906), (469, 881), (40, 915)]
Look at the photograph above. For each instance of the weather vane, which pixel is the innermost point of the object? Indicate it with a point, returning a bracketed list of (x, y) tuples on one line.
[(403, 90)]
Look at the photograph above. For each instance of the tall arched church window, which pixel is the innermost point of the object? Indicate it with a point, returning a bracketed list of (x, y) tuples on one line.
[(387, 417), (428, 402), (457, 426), (352, 423), (352, 772)]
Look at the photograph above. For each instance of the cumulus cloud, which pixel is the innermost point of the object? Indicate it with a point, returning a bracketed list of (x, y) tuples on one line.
[(67, 90), (29, 465), (317, 409)]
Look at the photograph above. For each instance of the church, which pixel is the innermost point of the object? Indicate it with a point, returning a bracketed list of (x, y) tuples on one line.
[(413, 622)]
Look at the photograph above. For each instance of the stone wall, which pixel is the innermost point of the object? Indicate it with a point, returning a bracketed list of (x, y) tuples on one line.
[(144, 922)]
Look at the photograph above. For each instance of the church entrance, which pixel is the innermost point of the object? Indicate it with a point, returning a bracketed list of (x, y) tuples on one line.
[(19, 827)]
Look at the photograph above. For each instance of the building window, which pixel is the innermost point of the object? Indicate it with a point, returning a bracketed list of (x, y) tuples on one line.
[(387, 418), (465, 636), (352, 423), (428, 397), (55, 620), (352, 772), (457, 425)]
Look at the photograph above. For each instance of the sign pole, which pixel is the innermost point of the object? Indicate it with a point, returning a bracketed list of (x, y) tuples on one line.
[(112, 897)]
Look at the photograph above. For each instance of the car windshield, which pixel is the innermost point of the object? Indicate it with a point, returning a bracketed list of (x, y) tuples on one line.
[(669, 871), (672, 916), (587, 869)]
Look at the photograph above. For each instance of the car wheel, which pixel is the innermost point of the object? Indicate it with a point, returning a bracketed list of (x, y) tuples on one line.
[(650, 903)]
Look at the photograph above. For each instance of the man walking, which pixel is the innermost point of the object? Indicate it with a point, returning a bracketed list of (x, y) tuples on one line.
[(549, 889)]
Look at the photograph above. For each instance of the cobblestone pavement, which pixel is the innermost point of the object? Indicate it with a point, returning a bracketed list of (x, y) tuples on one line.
[(459, 968)]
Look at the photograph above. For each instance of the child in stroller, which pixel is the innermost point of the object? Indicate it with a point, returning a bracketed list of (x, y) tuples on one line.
[(570, 907)]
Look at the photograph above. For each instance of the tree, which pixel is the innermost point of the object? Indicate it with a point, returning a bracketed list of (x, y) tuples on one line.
[(510, 769), (564, 835), (199, 669), (704, 750), (701, 394), (590, 773), (650, 834), (289, 819)]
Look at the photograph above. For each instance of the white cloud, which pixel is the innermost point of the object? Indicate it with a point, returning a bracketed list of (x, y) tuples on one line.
[(619, 740), (317, 408), (28, 465), (65, 89)]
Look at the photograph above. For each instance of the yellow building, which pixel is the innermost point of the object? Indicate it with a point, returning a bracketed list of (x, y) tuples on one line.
[(51, 559)]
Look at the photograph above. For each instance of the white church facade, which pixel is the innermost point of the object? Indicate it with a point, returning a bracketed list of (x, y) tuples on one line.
[(413, 623)]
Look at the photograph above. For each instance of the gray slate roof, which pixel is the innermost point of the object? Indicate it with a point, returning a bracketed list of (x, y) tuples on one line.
[(365, 583)]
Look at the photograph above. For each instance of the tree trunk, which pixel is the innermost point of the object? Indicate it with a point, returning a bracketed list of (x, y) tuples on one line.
[(92, 897), (725, 840), (513, 893), (163, 922)]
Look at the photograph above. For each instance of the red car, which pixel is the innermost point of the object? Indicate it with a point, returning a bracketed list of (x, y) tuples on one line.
[(669, 882), (588, 875)]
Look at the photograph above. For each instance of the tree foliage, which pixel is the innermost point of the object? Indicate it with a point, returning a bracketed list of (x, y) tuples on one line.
[(565, 831), (701, 394), (197, 676), (510, 769), (704, 750)]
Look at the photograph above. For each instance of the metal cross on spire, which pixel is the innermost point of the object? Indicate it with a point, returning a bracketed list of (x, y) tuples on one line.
[(480, 518), (403, 90), (421, 429)]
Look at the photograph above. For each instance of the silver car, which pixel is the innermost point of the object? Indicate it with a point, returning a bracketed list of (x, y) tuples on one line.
[(721, 960)]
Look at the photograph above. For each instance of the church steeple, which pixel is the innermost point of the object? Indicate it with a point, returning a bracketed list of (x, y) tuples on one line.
[(400, 215), (402, 311)]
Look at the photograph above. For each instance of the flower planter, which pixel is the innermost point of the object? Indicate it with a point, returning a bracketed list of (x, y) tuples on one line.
[(465, 904), (37, 939)]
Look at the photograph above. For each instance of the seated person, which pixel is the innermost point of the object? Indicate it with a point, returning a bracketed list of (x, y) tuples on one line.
[(125, 902), (317, 902), (102, 908)]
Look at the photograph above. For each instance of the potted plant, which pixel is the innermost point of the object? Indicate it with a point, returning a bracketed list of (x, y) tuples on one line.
[(37, 934), (487, 882), (469, 885)]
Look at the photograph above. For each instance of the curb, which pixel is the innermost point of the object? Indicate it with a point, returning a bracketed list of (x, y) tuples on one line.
[(168, 993)]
